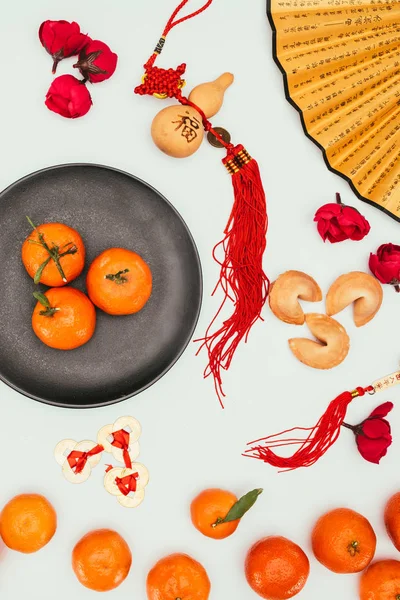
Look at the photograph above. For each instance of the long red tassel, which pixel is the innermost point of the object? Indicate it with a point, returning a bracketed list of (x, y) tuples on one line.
[(242, 277), (320, 438)]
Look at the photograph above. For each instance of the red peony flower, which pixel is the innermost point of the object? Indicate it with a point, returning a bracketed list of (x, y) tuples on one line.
[(373, 436), (68, 97), (62, 39), (96, 61), (385, 264), (337, 222)]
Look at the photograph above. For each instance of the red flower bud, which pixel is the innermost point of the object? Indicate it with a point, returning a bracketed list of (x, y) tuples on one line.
[(68, 97), (337, 222), (385, 264), (373, 436), (96, 61), (62, 39)]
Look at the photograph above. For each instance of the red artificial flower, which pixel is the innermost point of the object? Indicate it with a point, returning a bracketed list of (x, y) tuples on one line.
[(385, 264), (62, 39), (96, 61), (337, 222), (68, 97), (373, 436)]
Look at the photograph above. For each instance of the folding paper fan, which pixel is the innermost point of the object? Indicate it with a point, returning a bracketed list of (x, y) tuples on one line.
[(341, 65)]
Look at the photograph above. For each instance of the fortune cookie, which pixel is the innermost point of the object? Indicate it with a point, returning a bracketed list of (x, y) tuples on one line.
[(285, 292), (331, 348), (358, 287)]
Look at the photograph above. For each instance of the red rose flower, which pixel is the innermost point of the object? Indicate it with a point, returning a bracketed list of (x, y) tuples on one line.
[(385, 264), (373, 436), (62, 39), (337, 222), (68, 97), (96, 61)]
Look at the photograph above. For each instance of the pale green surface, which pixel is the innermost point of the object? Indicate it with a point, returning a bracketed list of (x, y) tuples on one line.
[(188, 443)]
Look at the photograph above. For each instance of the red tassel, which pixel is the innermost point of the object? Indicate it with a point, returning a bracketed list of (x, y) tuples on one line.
[(242, 278), (320, 438)]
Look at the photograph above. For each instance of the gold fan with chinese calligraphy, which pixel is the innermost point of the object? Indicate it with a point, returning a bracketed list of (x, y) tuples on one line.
[(341, 66)]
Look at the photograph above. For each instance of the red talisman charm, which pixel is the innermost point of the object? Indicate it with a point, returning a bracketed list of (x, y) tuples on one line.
[(323, 435), (178, 131)]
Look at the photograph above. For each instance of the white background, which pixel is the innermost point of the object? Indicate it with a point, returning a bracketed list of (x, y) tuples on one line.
[(188, 442)]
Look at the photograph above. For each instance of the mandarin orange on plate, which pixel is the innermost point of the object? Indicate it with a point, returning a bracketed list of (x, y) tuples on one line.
[(343, 541), (101, 560), (276, 568), (119, 282), (178, 577), (27, 523), (392, 519), (61, 262), (209, 506), (381, 581), (64, 318)]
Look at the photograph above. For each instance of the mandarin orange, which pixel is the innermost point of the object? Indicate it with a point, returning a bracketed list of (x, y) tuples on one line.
[(178, 577), (276, 568), (210, 506), (392, 519), (27, 523), (53, 254), (119, 282), (64, 318), (101, 560), (381, 581), (343, 541)]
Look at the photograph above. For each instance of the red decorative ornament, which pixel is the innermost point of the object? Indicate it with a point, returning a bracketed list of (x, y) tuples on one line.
[(322, 436), (373, 435), (61, 39), (121, 441), (77, 460), (338, 222), (68, 97), (96, 61), (127, 484), (385, 265), (240, 252)]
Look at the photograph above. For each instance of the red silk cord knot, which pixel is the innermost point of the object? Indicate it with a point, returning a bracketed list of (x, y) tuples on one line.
[(318, 440), (162, 81), (127, 484), (77, 460), (121, 441)]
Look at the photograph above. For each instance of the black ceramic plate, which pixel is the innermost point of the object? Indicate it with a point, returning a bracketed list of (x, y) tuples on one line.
[(126, 354)]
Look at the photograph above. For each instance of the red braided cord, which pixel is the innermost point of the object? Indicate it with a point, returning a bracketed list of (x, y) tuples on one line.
[(171, 23), (320, 438)]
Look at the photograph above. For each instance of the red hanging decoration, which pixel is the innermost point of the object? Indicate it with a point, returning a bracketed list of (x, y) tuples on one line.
[(319, 438), (242, 278)]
